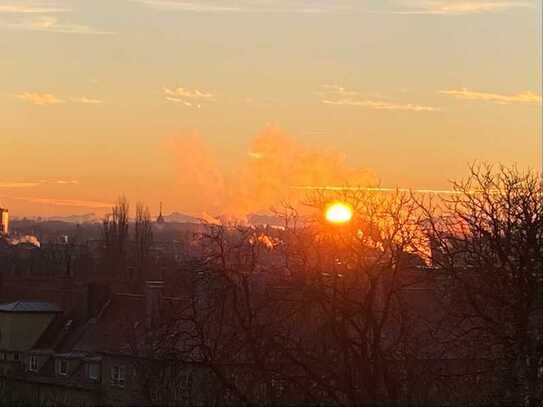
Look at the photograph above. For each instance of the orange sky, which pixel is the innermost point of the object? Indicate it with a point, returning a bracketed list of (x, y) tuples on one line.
[(215, 106)]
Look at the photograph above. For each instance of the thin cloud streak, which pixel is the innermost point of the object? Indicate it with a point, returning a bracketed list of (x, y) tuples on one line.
[(63, 202), (248, 6), (61, 182), (33, 184), (376, 189), (38, 16), (41, 99), (380, 105), (30, 9), (466, 94), (337, 95), (46, 99), (86, 100), (19, 184), (187, 97), (448, 7), (52, 24)]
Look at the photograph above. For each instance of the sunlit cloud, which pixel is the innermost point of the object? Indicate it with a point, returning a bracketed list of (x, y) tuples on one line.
[(48, 23), (42, 16), (30, 8), (63, 202), (466, 94), (61, 182), (33, 184), (248, 6), (86, 100), (337, 95), (376, 189), (187, 97), (44, 99), (41, 99), (457, 7), (19, 184)]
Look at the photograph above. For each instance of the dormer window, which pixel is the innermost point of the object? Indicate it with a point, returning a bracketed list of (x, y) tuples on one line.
[(62, 367), (93, 369), (33, 364), (118, 375)]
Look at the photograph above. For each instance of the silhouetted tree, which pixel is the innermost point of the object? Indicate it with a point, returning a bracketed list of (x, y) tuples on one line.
[(143, 237), (115, 233), (353, 314), (316, 313), (488, 238)]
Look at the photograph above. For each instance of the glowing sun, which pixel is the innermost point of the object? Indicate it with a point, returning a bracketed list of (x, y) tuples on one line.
[(338, 212)]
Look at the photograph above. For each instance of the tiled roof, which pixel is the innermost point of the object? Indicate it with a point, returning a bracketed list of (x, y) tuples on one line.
[(29, 306), (70, 355)]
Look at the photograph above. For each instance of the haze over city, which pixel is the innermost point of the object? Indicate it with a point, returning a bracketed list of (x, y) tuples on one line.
[(271, 202), (214, 106)]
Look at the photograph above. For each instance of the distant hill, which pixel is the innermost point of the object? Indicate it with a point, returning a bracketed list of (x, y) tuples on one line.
[(262, 219), (177, 217), (85, 218)]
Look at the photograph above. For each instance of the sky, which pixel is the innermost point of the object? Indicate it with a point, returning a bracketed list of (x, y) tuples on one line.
[(215, 106)]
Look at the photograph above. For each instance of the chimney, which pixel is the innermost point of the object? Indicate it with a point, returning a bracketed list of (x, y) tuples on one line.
[(153, 291)]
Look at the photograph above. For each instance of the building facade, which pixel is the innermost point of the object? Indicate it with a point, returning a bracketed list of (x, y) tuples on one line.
[(4, 221)]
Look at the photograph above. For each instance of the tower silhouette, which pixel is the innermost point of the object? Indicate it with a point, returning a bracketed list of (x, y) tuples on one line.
[(160, 218)]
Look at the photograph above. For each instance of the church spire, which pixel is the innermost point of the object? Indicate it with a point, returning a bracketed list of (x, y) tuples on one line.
[(160, 218)]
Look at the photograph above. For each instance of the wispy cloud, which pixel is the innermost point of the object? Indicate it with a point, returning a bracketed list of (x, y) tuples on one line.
[(466, 94), (33, 184), (63, 202), (18, 184), (376, 189), (30, 8), (248, 6), (187, 97), (337, 95), (86, 100), (52, 24), (41, 99), (456, 7), (45, 99), (40, 16), (60, 181)]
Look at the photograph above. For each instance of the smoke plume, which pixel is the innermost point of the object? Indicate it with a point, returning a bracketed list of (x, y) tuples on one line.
[(275, 163)]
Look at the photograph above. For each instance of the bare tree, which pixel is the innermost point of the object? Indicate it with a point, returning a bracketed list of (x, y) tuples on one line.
[(143, 239), (408, 303), (314, 313), (115, 234), (488, 237)]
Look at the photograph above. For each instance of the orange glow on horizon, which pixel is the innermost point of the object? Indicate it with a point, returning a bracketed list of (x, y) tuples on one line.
[(338, 213)]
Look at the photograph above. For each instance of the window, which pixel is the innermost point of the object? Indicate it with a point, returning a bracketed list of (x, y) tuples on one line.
[(118, 375), (62, 367), (16, 356), (185, 386), (33, 364), (93, 369), (4, 356)]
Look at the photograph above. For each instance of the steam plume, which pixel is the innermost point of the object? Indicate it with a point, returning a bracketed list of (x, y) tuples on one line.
[(273, 163)]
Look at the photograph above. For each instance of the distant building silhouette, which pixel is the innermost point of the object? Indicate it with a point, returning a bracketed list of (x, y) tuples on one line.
[(160, 218), (4, 221)]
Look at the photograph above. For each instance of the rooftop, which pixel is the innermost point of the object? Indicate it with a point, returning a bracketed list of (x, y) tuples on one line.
[(29, 306)]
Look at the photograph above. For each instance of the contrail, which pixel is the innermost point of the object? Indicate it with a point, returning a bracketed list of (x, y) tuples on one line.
[(377, 189)]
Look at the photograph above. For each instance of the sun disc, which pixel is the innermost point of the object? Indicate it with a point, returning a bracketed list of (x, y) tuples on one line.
[(339, 212)]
